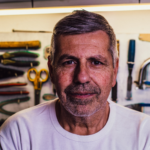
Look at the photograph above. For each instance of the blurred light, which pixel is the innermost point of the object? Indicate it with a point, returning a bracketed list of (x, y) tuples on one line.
[(69, 9)]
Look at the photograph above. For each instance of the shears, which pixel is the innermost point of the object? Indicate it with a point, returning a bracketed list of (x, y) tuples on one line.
[(37, 81)]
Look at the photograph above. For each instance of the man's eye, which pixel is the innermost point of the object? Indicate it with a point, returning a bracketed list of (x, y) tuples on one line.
[(96, 63), (69, 62)]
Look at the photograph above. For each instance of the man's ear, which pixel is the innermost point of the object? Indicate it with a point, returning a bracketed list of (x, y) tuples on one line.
[(50, 67), (115, 71)]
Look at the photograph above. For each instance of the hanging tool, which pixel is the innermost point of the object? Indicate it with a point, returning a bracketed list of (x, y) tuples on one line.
[(37, 81), (138, 106), (142, 83), (13, 30), (49, 97), (20, 45), (16, 100), (47, 50), (131, 55), (13, 93), (144, 37), (3, 93), (114, 89), (7, 59), (7, 72), (3, 85)]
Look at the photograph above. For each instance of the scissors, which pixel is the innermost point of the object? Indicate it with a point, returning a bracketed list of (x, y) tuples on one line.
[(37, 81)]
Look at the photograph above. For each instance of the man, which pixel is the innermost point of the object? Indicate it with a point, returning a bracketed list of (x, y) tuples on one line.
[(83, 65)]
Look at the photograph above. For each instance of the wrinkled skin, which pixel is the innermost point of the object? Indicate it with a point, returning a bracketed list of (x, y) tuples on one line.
[(83, 73)]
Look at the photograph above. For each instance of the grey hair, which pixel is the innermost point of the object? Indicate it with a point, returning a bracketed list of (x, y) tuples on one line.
[(80, 22)]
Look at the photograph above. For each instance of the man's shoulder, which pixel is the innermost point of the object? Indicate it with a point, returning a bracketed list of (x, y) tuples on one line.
[(34, 110), (129, 115), (30, 115), (132, 125)]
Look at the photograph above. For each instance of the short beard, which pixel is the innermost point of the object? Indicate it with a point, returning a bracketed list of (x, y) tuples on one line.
[(71, 103)]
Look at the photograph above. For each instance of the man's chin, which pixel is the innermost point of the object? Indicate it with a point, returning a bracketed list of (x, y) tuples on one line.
[(81, 111)]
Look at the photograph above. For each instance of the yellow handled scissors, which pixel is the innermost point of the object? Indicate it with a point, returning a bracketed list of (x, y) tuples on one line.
[(37, 81)]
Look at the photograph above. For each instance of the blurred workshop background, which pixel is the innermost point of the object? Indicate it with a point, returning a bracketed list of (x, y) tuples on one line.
[(25, 32)]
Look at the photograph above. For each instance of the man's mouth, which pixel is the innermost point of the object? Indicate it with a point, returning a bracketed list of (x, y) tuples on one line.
[(81, 95)]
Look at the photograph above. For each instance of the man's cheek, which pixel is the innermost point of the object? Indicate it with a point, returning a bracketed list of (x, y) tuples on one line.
[(62, 81), (65, 76)]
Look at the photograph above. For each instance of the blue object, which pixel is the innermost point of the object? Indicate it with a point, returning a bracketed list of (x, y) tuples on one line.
[(144, 104), (147, 82), (131, 54)]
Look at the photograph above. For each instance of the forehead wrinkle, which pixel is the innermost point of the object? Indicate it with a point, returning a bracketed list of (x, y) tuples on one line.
[(72, 52), (73, 43), (74, 40), (79, 47), (99, 57)]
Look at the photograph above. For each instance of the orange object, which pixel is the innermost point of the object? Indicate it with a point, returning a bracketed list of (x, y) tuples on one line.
[(21, 44)]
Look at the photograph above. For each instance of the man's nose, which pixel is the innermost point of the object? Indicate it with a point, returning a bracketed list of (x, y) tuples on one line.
[(81, 74)]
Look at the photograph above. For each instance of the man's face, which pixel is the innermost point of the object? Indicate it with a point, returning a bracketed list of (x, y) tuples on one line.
[(83, 72)]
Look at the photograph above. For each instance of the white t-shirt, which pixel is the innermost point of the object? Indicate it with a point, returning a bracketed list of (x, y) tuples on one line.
[(37, 128)]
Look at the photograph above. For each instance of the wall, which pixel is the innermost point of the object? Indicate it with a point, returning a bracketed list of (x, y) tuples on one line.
[(122, 22), (126, 24)]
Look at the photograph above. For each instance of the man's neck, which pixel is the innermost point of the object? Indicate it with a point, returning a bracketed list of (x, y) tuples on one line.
[(82, 125)]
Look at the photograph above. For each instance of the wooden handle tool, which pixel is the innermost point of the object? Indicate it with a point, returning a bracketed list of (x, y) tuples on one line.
[(144, 37), (20, 44)]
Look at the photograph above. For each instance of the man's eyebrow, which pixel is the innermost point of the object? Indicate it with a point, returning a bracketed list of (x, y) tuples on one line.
[(66, 56), (99, 57)]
